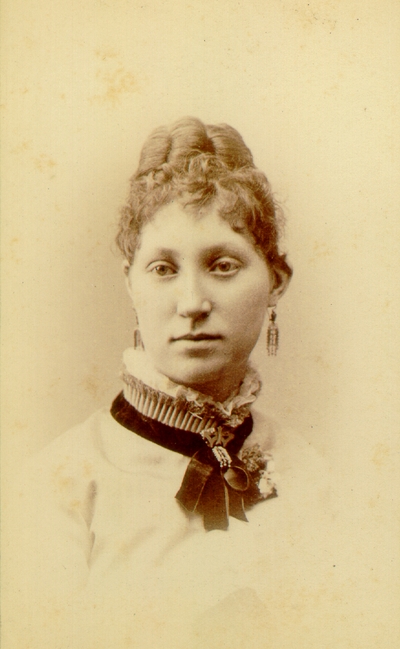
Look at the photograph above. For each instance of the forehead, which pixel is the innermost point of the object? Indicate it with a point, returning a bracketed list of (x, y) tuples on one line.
[(180, 229)]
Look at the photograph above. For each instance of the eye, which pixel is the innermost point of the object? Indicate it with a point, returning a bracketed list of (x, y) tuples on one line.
[(162, 269), (225, 267)]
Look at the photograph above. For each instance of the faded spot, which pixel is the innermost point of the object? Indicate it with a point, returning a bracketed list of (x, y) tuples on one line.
[(12, 251), (61, 480), (20, 425), (116, 84), (30, 44), (374, 502), (44, 163), (381, 454), (92, 382), (322, 362), (87, 469), (320, 251), (54, 385), (75, 504), (25, 145), (106, 53), (94, 248), (321, 14), (126, 548)]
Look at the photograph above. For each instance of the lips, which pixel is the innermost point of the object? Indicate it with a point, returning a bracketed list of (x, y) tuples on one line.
[(198, 337)]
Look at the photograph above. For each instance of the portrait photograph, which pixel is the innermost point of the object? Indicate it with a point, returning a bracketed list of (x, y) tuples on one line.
[(200, 352)]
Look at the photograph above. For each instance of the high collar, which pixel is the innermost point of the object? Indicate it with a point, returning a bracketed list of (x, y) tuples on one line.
[(156, 396)]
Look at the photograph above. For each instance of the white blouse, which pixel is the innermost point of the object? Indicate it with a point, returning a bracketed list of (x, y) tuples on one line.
[(106, 544)]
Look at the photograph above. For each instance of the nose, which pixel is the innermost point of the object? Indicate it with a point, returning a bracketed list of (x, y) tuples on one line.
[(192, 300), (196, 311)]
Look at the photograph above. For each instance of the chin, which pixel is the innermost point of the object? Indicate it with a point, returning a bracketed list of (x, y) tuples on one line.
[(195, 380), (208, 377), (192, 372)]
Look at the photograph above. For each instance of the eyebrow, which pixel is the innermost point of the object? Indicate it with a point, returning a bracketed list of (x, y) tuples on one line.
[(217, 249), (163, 252)]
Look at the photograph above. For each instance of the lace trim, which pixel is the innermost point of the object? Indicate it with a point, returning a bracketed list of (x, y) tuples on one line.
[(175, 412), (155, 396)]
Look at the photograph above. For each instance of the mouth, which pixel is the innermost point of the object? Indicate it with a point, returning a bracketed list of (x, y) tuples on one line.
[(198, 337)]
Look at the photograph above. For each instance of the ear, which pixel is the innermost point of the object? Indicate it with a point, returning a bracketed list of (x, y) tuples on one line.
[(126, 267), (280, 278)]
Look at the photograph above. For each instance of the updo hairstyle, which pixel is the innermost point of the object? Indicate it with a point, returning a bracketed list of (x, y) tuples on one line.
[(201, 165)]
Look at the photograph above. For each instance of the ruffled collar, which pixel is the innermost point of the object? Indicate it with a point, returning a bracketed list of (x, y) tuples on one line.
[(144, 386)]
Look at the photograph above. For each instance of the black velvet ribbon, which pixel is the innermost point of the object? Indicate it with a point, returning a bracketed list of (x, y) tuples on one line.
[(207, 488)]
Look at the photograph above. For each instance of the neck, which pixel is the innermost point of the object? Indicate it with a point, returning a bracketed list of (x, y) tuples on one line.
[(219, 388)]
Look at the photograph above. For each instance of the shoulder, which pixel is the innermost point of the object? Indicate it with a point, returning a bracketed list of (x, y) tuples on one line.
[(64, 470), (299, 466), (284, 442), (96, 451), (74, 447), (54, 504)]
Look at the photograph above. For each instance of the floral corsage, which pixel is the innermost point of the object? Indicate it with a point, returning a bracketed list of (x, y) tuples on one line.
[(260, 466)]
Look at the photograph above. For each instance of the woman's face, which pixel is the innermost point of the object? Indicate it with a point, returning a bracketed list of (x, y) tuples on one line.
[(200, 291)]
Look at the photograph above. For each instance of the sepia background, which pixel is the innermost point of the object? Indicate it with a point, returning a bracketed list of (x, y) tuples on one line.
[(313, 89)]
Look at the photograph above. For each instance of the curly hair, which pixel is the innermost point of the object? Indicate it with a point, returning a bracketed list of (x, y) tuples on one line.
[(201, 165)]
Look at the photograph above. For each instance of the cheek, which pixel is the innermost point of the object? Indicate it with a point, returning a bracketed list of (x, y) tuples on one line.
[(248, 310), (146, 302)]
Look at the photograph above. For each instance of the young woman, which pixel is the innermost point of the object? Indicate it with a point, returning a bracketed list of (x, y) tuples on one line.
[(165, 511)]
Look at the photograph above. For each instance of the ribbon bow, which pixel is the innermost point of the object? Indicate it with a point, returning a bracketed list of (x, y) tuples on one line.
[(216, 491)]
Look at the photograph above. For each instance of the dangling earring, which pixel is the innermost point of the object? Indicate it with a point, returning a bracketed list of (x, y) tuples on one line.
[(137, 338), (272, 335)]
